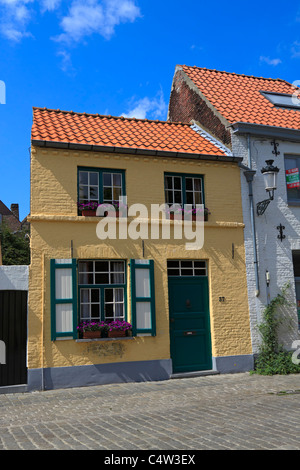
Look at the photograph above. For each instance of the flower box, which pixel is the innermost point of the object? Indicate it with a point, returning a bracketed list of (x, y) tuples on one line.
[(89, 212), (116, 334), (91, 334)]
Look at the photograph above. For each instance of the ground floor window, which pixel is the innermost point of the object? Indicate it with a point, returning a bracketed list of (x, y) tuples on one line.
[(101, 290), (96, 290), (296, 264)]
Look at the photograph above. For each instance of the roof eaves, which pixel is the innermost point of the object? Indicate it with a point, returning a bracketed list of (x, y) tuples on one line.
[(136, 151), (284, 133)]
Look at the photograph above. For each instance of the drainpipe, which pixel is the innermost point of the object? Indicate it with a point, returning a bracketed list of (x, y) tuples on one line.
[(249, 174)]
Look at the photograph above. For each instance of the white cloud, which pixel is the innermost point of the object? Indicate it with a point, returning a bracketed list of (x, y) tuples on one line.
[(15, 16), (146, 108), (295, 50), (49, 5), (92, 16), (84, 17), (269, 61), (66, 62)]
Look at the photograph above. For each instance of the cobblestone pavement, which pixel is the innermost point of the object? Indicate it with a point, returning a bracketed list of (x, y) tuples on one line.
[(236, 411)]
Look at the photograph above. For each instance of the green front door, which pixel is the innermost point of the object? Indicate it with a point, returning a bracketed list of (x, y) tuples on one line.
[(189, 324)]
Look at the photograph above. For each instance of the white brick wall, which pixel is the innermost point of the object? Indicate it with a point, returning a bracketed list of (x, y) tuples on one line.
[(14, 277), (273, 255)]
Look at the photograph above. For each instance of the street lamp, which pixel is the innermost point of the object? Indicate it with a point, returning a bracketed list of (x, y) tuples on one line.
[(270, 173)]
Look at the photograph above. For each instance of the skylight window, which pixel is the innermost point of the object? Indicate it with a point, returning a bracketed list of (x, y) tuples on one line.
[(283, 100)]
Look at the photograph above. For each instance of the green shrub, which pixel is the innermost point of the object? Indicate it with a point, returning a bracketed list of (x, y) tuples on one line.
[(272, 358)]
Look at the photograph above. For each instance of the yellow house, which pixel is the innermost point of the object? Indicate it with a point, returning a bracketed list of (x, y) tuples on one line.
[(181, 284)]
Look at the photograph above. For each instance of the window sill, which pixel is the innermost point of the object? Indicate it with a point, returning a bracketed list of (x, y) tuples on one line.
[(294, 203), (122, 338)]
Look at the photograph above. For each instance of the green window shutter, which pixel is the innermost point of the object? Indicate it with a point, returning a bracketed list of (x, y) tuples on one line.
[(143, 297), (63, 298)]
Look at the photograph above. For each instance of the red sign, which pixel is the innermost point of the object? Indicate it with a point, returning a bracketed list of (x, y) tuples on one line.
[(292, 178)]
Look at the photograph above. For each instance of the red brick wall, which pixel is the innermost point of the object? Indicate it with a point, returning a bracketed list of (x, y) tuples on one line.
[(186, 105)]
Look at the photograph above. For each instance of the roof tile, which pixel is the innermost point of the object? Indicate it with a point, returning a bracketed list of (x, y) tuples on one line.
[(94, 129), (238, 98)]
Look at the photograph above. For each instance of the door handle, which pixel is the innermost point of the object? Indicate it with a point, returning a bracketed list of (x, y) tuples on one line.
[(172, 320)]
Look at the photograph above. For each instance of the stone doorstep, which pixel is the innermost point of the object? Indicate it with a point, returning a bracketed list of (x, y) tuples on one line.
[(199, 373), (13, 389)]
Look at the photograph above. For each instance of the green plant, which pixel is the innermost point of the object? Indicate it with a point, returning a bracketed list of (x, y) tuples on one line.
[(272, 358), (14, 246)]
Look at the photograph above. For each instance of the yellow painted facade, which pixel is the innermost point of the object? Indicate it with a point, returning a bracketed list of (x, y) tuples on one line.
[(55, 225)]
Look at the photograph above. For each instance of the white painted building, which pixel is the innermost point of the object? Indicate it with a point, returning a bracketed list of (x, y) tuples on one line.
[(257, 119)]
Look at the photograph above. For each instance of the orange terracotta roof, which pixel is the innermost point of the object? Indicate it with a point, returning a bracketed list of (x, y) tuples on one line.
[(68, 127), (238, 98)]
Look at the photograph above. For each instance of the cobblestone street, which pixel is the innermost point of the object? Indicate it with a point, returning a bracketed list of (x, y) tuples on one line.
[(238, 412)]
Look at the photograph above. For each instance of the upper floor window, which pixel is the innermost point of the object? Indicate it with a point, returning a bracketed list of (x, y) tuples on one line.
[(100, 185), (292, 172), (182, 189)]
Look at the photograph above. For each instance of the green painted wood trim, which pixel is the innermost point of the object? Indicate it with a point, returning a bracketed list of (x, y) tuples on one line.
[(135, 299)]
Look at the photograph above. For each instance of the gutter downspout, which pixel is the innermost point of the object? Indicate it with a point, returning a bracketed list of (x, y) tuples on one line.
[(249, 174)]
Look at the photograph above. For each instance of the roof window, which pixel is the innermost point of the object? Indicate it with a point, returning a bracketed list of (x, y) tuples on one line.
[(283, 100)]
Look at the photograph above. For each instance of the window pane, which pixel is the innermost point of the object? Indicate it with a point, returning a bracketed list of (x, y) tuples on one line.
[(117, 180), (200, 272), (109, 311), (143, 315), (117, 266), (63, 283), (173, 272), (168, 182), (296, 263), (117, 278), (199, 264), (64, 318), (116, 194), (177, 182), (173, 264), (95, 311), (107, 179), (169, 197), (187, 272), (83, 193), (94, 193), (101, 266), (85, 266), (101, 278), (86, 278), (84, 311), (95, 295), (119, 295), (107, 194), (189, 184), (189, 198), (94, 179), (83, 177), (109, 295), (177, 195), (85, 296), (119, 310), (197, 184), (198, 198), (186, 264), (142, 282)]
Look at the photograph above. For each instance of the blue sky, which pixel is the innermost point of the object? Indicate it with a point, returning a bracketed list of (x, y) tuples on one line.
[(118, 57)]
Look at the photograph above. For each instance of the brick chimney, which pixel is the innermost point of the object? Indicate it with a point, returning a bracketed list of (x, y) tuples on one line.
[(15, 210)]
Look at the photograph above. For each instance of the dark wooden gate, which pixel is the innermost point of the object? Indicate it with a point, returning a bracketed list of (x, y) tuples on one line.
[(13, 337)]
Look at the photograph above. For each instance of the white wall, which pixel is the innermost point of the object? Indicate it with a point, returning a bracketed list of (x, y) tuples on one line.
[(273, 255), (14, 277)]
